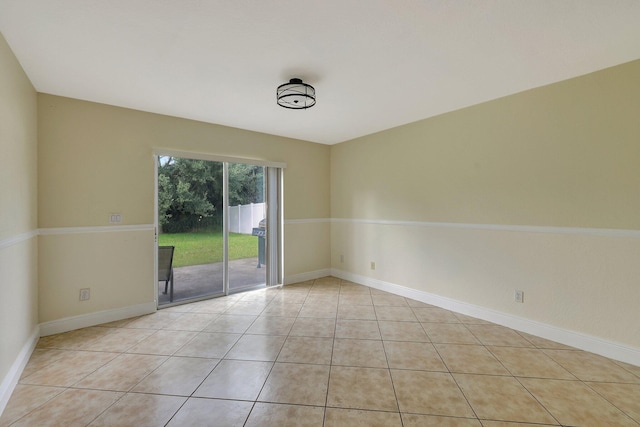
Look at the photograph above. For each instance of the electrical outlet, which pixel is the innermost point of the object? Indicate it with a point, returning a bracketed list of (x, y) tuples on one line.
[(115, 218), (519, 296), (341, 258), (85, 294), (373, 265)]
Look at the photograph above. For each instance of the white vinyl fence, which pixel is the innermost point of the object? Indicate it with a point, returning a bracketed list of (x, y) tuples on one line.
[(243, 218)]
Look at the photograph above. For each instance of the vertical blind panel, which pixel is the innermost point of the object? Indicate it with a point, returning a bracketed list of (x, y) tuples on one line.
[(274, 227)]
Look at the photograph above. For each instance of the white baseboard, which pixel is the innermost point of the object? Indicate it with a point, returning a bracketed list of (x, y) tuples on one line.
[(310, 275), (611, 349), (10, 381), (91, 319)]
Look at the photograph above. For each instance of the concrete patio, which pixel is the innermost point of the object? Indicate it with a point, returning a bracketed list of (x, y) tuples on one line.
[(206, 280)]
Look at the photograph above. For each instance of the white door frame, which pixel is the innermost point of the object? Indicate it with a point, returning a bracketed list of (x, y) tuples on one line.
[(275, 271)]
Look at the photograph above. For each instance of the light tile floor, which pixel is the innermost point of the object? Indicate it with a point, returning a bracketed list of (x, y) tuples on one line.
[(320, 353)]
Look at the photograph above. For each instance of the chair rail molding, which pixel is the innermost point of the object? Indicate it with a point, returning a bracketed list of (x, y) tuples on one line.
[(14, 240), (604, 232)]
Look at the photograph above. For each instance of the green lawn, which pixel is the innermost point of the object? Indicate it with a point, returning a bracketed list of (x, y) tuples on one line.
[(205, 248)]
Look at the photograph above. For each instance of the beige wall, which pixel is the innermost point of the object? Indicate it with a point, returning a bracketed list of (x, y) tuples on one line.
[(96, 159), (18, 210), (564, 155)]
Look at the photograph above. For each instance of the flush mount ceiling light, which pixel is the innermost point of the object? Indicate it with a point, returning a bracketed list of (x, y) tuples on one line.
[(296, 95)]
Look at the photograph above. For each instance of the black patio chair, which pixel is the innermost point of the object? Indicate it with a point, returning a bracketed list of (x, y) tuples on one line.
[(165, 268)]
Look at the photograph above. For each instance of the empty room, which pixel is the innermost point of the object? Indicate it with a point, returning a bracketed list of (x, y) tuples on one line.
[(336, 213)]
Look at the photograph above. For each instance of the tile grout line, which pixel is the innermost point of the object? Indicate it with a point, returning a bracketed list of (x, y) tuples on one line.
[(148, 374), (587, 384), (270, 371), (512, 376), (451, 374), (333, 346), (336, 318), (386, 357)]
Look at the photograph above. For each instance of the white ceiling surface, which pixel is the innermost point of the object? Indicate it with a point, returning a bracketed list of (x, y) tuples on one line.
[(375, 64)]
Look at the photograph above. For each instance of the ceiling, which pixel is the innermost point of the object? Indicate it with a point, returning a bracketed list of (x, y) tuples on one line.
[(375, 64)]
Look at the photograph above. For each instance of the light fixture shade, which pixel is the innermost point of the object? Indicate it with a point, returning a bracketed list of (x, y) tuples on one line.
[(296, 95)]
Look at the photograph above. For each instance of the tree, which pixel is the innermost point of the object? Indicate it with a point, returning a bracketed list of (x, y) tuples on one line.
[(246, 183), (190, 192)]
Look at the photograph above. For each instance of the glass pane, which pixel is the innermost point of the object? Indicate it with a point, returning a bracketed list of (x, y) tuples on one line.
[(190, 217), (247, 227)]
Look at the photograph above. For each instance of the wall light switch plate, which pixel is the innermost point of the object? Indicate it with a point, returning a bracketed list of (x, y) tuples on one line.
[(519, 296)]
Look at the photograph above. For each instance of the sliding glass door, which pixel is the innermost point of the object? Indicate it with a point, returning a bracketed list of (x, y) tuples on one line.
[(247, 226), (190, 225), (218, 228)]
